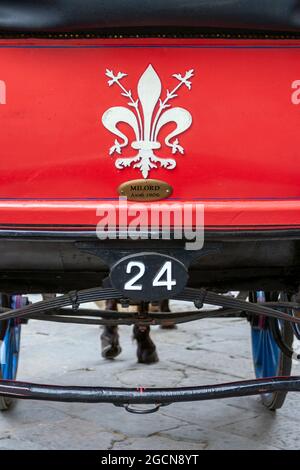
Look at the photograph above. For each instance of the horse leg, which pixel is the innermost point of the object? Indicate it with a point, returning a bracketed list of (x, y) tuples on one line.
[(110, 347), (168, 325), (146, 349)]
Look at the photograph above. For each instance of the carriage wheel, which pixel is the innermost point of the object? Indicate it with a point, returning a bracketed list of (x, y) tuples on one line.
[(10, 332), (268, 359)]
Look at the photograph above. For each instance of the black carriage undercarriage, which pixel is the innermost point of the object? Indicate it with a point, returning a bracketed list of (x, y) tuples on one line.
[(55, 310), (73, 265), (32, 261)]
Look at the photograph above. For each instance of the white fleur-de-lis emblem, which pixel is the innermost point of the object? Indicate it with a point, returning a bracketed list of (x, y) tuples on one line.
[(148, 115)]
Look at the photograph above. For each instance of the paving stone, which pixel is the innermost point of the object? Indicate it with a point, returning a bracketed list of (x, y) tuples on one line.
[(157, 443), (115, 419), (19, 444), (26, 412), (69, 433), (211, 439), (211, 413), (266, 429)]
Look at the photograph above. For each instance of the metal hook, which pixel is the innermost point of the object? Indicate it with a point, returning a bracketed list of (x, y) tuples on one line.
[(74, 300), (199, 301), (142, 411)]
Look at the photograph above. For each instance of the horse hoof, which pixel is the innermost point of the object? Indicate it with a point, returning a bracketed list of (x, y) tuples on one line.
[(147, 356), (146, 349), (110, 347), (111, 351)]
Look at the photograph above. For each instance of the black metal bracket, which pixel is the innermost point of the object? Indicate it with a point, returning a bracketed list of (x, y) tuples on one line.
[(110, 252)]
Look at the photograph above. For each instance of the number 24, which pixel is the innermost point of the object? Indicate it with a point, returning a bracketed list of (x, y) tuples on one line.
[(166, 270)]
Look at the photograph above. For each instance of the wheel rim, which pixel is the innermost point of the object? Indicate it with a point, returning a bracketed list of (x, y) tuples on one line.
[(10, 346)]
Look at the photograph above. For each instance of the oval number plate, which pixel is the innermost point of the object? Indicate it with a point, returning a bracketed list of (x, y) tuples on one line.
[(149, 276)]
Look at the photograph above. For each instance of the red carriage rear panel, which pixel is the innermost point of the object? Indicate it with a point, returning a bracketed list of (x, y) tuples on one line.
[(218, 120)]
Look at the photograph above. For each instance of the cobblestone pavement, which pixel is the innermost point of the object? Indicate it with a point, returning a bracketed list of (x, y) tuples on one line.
[(203, 352)]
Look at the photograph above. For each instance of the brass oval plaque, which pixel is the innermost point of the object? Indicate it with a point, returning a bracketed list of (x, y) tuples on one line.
[(145, 190)]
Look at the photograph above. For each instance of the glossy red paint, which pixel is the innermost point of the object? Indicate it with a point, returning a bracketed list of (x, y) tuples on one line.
[(241, 152)]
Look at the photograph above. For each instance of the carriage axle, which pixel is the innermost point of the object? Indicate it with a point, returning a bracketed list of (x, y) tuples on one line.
[(152, 396)]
